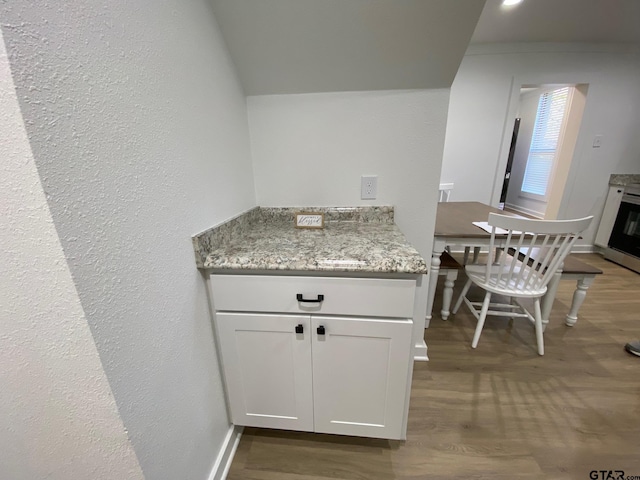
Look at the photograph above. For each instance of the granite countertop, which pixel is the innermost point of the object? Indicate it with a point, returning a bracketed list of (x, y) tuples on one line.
[(359, 239), (622, 180)]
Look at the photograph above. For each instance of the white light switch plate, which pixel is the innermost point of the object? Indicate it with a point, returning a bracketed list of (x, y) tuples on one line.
[(369, 187)]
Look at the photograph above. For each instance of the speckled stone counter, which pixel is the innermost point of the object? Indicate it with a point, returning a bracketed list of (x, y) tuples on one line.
[(358, 239), (622, 180)]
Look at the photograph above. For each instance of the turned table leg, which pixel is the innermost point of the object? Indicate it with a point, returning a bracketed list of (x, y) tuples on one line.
[(434, 271), (547, 301), (447, 293), (582, 285)]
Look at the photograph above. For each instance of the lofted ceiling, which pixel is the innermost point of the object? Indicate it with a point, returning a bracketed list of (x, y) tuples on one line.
[(585, 21), (304, 46)]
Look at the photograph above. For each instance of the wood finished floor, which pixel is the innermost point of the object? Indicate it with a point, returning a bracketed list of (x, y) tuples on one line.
[(497, 412)]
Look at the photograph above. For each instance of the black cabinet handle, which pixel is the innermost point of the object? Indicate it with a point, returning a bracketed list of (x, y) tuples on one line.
[(313, 300), (299, 328), (321, 330)]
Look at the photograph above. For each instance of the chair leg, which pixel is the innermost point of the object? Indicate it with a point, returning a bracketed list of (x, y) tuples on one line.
[(465, 289), (465, 259), (511, 301), (481, 319), (476, 254), (538, 319)]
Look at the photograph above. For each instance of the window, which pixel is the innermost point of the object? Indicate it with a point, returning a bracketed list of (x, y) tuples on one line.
[(546, 132)]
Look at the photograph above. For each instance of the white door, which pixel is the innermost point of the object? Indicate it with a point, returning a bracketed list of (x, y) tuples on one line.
[(360, 374), (267, 368)]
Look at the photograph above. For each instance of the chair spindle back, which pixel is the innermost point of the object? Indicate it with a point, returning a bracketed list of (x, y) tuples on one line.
[(554, 237)]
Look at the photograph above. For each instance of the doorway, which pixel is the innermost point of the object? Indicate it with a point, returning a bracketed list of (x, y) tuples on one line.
[(512, 151), (543, 141)]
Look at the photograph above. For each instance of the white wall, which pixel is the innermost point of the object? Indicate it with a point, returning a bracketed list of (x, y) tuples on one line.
[(311, 150), (139, 131), (483, 105), (59, 419)]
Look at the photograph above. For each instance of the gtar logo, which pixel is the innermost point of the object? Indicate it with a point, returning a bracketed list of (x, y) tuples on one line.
[(606, 475)]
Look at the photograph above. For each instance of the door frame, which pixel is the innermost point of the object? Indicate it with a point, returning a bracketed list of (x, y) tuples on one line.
[(511, 112)]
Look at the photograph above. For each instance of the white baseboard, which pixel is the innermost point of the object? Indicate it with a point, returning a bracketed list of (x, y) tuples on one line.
[(584, 249), (526, 211), (225, 456), (420, 352)]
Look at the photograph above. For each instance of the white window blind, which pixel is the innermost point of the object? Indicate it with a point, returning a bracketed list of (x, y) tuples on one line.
[(544, 142)]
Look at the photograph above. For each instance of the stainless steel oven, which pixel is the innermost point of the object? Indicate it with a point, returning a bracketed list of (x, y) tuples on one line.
[(624, 242)]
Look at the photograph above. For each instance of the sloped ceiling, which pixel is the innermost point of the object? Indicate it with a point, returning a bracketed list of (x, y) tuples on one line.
[(305, 46)]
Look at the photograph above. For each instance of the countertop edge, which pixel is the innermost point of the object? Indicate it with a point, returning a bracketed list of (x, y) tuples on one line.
[(214, 247), (311, 273), (622, 179)]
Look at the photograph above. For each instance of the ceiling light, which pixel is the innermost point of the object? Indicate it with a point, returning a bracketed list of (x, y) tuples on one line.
[(509, 3)]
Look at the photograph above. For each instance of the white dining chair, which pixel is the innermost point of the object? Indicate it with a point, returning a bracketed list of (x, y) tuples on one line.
[(518, 279), (444, 192)]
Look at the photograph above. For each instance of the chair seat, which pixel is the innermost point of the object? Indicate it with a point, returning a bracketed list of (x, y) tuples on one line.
[(509, 285)]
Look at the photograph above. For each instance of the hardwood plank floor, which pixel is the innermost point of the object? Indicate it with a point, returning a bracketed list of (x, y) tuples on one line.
[(499, 411)]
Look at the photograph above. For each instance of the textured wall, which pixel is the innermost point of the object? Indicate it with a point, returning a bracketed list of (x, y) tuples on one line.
[(59, 420), (139, 131)]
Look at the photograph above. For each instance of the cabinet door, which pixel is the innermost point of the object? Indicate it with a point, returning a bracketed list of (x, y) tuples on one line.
[(267, 369), (360, 375)]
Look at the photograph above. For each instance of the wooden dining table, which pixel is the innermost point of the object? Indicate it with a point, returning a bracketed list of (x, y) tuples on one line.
[(455, 228)]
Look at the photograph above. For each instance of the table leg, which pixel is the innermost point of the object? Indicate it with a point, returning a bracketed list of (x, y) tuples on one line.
[(547, 301), (447, 293), (582, 285), (434, 271)]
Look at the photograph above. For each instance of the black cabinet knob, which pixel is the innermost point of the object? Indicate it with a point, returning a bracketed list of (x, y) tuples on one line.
[(321, 330), (299, 328)]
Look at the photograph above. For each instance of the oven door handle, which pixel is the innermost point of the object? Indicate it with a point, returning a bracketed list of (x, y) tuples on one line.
[(632, 199)]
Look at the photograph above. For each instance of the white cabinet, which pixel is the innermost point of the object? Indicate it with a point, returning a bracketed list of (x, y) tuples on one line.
[(360, 374), (314, 370), (609, 214), (375, 297), (267, 368)]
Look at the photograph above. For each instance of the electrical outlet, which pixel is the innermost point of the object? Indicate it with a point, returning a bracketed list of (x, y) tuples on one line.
[(597, 141), (368, 187)]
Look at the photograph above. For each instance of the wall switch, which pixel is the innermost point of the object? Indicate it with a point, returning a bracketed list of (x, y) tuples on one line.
[(597, 141), (369, 187)]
